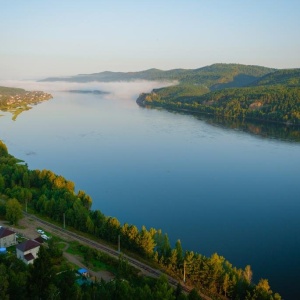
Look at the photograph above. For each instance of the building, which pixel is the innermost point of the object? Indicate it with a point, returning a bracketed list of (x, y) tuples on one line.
[(39, 239), (27, 251), (7, 237)]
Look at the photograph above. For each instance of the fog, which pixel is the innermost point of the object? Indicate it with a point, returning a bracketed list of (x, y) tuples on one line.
[(123, 90)]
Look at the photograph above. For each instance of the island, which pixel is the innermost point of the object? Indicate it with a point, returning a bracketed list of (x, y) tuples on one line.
[(95, 92), (16, 100)]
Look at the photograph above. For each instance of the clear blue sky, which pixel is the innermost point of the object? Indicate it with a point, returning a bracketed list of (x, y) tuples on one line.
[(48, 38)]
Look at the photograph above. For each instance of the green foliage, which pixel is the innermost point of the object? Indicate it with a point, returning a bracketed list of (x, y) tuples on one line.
[(266, 103), (13, 211), (235, 92), (3, 149), (286, 77)]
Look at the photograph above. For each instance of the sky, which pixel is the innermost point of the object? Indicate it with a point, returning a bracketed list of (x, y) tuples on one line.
[(61, 38)]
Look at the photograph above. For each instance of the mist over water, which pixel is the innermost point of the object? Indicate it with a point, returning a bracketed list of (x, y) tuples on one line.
[(121, 90), (216, 189)]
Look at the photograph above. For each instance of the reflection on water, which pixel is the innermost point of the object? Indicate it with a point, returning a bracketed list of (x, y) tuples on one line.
[(265, 130), (288, 133)]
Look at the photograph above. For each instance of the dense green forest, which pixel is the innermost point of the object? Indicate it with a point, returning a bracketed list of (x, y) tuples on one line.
[(273, 98), (52, 195), (286, 77), (16, 100)]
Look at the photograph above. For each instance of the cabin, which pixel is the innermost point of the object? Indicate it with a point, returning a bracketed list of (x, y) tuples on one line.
[(27, 251), (7, 237)]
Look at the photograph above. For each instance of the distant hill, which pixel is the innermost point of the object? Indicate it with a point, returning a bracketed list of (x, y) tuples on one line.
[(286, 77), (216, 76), (107, 76), (8, 91)]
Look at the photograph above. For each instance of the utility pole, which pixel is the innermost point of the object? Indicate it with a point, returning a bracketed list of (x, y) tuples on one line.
[(184, 271), (119, 244)]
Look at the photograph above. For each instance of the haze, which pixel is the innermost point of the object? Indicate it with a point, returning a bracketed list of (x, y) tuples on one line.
[(60, 38)]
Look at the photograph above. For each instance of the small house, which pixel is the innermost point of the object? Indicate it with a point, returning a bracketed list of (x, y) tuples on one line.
[(7, 237), (27, 251)]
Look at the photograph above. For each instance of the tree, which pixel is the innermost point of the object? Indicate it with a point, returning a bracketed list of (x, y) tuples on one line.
[(2, 183), (248, 274), (3, 283), (162, 289), (262, 290), (13, 211), (226, 284), (41, 275), (193, 295), (3, 149), (26, 181), (146, 241), (178, 247)]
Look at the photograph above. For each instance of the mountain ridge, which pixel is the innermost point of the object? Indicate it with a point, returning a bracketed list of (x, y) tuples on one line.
[(208, 75)]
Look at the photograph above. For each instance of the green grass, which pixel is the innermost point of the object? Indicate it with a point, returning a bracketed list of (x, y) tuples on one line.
[(74, 249)]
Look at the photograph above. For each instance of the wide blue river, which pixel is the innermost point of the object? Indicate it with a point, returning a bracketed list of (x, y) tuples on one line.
[(216, 189)]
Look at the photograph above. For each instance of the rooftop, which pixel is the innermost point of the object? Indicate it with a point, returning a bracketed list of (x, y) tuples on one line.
[(5, 232), (28, 245)]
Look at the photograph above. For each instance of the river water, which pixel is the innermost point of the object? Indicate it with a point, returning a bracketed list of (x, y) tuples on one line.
[(217, 189)]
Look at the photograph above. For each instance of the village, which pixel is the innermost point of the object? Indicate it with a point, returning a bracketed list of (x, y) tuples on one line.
[(25, 241), (21, 98)]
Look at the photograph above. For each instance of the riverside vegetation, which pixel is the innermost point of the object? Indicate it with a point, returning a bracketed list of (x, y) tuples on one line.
[(52, 195), (274, 97)]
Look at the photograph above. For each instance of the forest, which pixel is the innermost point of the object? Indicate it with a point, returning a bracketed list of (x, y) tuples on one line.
[(51, 195), (273, 98)]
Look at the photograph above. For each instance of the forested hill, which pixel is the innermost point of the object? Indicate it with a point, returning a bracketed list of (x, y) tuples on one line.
[(286, 77), (274, 98), (9, 91), (215, 76)]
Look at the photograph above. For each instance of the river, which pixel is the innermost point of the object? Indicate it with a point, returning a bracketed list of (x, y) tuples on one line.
[(216, 188)]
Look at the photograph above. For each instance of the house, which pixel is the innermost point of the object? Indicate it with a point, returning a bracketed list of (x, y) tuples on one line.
[(27, 251), (7, 237)]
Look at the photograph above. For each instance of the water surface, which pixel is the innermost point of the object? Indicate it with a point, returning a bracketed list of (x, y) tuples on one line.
[(216, 189)]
